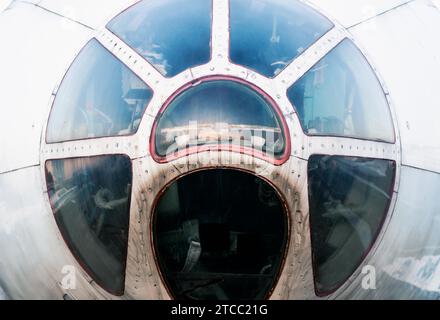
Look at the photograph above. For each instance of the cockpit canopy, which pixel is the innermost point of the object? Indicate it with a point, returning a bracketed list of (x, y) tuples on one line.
[(221, 113)]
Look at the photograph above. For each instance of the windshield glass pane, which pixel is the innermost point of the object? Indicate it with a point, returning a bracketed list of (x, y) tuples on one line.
[(267, 35), (341, 96), (99, 97), (349, 199), (220, 235), (90, 198), (219, 113), (172, 35)]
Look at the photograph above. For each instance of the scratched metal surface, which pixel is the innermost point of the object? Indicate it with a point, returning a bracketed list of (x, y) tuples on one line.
[(350, 13), (3, 294), (407, 261), (4, 4), (25, 211), (32, 61), (412, 78)]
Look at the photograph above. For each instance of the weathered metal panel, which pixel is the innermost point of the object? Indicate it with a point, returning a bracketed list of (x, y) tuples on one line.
[(349, 13), (405, 46), (36, 58), (2, 294), (407, 262), (94, 13), (33, 253), (33, 59), (4, 4)]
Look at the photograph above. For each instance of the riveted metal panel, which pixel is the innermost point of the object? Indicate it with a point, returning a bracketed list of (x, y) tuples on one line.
[(51, 55)]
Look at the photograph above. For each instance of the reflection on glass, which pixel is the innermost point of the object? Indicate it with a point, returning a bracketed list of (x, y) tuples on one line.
[(219, 112), (267, 35), (99, 97), (90, 198), (341, 96), (348, 199), (220, 235), (173, 35)]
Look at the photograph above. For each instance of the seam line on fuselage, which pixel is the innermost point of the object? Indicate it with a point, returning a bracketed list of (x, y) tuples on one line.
[(58, 14), (380, 14), (18, 169), (417, 168)]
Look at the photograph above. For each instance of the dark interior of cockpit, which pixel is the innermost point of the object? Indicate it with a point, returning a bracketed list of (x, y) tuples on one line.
[(220, 235)]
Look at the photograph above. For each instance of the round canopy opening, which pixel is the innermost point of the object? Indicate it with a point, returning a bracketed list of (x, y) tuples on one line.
[(220, 235)]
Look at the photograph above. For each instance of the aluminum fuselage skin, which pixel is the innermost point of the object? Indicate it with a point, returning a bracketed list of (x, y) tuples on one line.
[(39, 41)]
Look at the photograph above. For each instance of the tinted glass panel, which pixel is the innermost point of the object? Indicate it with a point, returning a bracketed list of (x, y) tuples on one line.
[(220, 235), (341, 96), (219, 112), (267, 35), (349, 199), (98, 97), (90, 198), (173, 35)]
